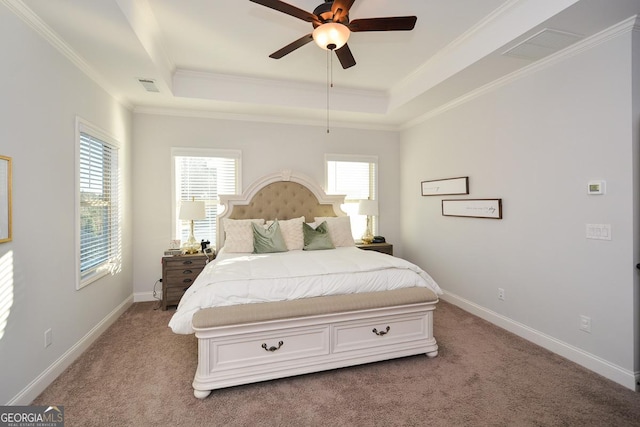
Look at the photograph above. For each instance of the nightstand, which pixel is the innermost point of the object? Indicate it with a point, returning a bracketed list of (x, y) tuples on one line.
[(385, 248), (178, 273)]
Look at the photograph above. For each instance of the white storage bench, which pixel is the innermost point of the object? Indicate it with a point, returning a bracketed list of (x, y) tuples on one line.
[(256, 342)]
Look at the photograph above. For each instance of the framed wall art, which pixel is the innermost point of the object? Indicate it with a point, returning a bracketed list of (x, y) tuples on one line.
[(445, 187), (5, 199), (473, 208)]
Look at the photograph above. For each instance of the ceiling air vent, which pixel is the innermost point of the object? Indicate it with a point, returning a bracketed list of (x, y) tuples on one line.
[(543, 43), (149, 85)]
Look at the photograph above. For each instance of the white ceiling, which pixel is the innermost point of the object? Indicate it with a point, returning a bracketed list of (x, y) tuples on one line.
[(210, 57)]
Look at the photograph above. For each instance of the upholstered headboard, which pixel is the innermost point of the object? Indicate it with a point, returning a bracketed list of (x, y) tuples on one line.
[(283, 195)]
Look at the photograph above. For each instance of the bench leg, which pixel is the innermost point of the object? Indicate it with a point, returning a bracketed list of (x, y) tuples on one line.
[(201, 394)]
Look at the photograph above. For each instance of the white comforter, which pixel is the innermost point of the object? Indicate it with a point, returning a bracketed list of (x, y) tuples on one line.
[(234, 278)]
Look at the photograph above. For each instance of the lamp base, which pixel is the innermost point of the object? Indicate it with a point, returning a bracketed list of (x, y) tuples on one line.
[(188, 249), (367, 238), (191, 246)]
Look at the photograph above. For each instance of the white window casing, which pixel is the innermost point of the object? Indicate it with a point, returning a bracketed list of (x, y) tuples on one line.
[(355, 176), (98, 205), (202, 174)]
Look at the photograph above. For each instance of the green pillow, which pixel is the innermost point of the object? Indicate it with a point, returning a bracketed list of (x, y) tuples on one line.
[(268, 240), (316, 239)]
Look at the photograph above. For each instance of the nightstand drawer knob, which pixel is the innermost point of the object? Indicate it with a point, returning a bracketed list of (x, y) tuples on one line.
[(187, 272), (187, 281), (188, 262)]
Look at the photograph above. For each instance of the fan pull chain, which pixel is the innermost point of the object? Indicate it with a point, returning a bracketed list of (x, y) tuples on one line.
[(329, 83)]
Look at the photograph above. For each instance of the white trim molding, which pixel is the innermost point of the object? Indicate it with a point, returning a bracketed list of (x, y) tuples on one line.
[(42, 381), (590, 361)]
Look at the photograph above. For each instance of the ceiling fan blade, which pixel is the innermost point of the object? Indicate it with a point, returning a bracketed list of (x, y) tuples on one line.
[(340, 9), (292, 46), (345, 56), (283, 7), (394, 23)]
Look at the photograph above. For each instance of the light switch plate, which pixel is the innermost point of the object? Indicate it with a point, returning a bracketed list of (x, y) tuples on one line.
[(599, 231)]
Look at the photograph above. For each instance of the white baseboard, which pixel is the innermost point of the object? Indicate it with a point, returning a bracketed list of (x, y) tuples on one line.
[(594, 363), (38, 385), (147, 296)]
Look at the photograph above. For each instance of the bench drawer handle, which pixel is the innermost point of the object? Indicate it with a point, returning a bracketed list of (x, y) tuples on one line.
[(272, 348), (381, 333)]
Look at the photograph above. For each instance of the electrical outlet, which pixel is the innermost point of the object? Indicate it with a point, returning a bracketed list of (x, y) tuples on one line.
[(48, 338), (585, 323), (501, 294)]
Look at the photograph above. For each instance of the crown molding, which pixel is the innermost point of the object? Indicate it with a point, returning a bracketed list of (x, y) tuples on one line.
[(23, 12), (505, 23), (628, 25), (260, 118), (146, 28), (275, 92)]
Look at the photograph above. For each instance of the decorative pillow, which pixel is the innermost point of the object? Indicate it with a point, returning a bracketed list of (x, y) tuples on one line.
[(318, 238), (339, 229), (292, 232), (239, 234), (268, 240)]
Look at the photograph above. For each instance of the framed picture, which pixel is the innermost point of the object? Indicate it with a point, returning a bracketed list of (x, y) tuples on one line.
[(5, 199), (446, 187), (474, 208)]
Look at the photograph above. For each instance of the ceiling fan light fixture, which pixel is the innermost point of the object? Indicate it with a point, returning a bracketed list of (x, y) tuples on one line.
[(331, 36)]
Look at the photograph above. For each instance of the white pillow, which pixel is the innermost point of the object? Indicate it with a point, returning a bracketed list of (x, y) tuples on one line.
[(291, 230), (339, 230), (239, 234)]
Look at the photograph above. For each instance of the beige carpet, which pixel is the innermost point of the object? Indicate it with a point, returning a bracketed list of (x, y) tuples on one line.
[(139, 374)]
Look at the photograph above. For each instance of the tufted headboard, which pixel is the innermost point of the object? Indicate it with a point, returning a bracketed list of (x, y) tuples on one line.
[(282, 195)]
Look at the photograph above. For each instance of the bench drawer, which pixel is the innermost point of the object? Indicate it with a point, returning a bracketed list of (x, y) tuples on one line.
[(379, 332), (273, 347)]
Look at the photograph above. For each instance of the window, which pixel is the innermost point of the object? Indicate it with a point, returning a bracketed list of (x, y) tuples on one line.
[(356, 178), (98, 209), (203, 174)]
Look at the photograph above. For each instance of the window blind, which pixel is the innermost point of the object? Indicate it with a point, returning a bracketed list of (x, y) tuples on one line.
[(99, 207), (355, 177), (204, 178)]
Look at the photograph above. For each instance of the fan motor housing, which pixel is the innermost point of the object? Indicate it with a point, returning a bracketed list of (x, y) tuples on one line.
[(324, 13)]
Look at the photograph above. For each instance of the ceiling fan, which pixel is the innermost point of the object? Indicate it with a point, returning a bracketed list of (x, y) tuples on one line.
[(332, 26)]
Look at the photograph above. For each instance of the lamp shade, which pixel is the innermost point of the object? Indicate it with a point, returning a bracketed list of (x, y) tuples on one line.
[(331, 35), (368, 207), (191, 210)]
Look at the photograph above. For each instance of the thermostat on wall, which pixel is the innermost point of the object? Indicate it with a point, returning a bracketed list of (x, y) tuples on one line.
[(596, 187)]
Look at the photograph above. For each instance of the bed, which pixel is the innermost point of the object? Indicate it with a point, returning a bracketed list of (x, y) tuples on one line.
[(285, 312)]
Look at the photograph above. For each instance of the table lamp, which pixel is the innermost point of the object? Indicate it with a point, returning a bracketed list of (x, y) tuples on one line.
[(191, 211), (368, 208)]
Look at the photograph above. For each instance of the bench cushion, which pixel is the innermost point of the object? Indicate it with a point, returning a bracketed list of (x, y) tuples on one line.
[(260, 312)]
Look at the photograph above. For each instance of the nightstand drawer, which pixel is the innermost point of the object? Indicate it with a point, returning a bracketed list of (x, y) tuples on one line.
[(172, 295), (180, 262), (178, 273), (178, 277)]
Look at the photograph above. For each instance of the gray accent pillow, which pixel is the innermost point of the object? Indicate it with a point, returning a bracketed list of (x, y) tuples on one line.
[(318, 238), (268, 240)]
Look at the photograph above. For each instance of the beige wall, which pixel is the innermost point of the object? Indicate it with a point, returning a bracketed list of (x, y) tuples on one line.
[(266, 148), (536, 142), (42, 92)]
